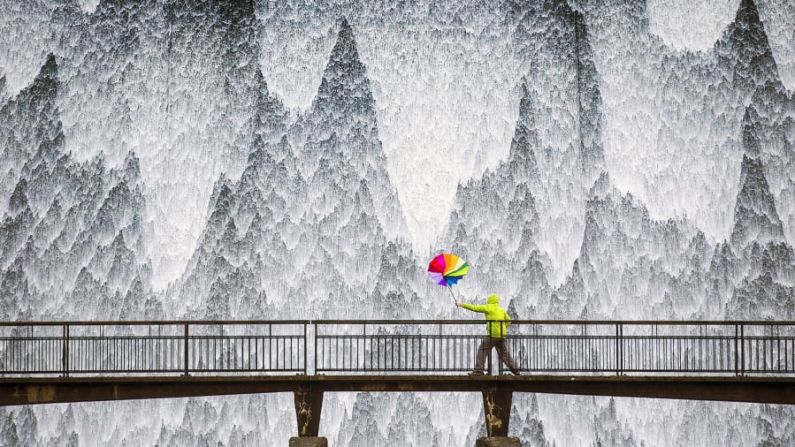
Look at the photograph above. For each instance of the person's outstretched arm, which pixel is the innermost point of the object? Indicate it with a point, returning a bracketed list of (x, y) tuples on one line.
[(480, 308)]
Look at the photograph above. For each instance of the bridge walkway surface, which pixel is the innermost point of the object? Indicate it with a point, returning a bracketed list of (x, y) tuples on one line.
[(59, 361)]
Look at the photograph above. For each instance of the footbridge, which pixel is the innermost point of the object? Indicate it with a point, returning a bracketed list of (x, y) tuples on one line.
[(77, 361)]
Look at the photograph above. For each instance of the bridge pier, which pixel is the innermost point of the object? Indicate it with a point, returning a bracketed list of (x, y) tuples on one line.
[(308, 405), (497, 409)]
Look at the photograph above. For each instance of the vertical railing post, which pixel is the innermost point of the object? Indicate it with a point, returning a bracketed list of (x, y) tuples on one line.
[(621, 335), (775, 337), (619, 349), (618, 371), (65, 351), (306, 366), (742, 349), (505, 342), (488, 334), (185, 327), (736, 351)]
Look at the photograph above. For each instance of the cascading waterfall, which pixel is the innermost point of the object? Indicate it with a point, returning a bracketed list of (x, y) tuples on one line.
[(260, 159)]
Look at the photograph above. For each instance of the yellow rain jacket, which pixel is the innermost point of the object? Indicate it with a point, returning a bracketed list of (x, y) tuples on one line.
[(494, 312)]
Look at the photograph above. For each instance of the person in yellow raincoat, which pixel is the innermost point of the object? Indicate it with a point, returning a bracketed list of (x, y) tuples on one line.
[(497, 322)]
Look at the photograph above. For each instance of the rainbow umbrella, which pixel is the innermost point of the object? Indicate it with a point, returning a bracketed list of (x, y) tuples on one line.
[(447, 269)]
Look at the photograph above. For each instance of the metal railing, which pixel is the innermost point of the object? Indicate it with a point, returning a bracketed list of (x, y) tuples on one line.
[(393, 347), (396, 347), (175, 347), (656, 347)]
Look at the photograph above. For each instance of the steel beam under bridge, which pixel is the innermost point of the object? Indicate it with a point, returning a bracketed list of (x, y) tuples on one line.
[(43, 390)]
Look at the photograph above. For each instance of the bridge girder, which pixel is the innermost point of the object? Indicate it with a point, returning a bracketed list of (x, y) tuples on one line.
[(43, 390)]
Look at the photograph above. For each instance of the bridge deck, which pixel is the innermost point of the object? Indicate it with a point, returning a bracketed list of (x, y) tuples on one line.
[(40, 390)]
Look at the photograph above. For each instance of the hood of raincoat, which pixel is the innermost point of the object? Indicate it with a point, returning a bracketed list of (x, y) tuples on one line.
[(493, 299)]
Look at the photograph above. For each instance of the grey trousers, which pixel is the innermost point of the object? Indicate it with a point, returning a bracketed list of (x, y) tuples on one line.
[(502, 350)]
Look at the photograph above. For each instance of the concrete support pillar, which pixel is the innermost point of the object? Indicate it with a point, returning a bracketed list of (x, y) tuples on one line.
[(308, 405), (497, 409)]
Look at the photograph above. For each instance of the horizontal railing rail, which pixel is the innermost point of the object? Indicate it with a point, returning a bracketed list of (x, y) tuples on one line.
[(394, 347), (392, 322)]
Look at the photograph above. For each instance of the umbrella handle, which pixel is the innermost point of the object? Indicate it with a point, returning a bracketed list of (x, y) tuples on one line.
[(452, 294)]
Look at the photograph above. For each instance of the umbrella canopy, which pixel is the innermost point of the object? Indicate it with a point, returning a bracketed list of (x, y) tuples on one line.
[(447, 269)]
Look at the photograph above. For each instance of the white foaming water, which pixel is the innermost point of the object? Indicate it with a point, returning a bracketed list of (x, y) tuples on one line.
[(180, 91), (689, 25), (426, 82)]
